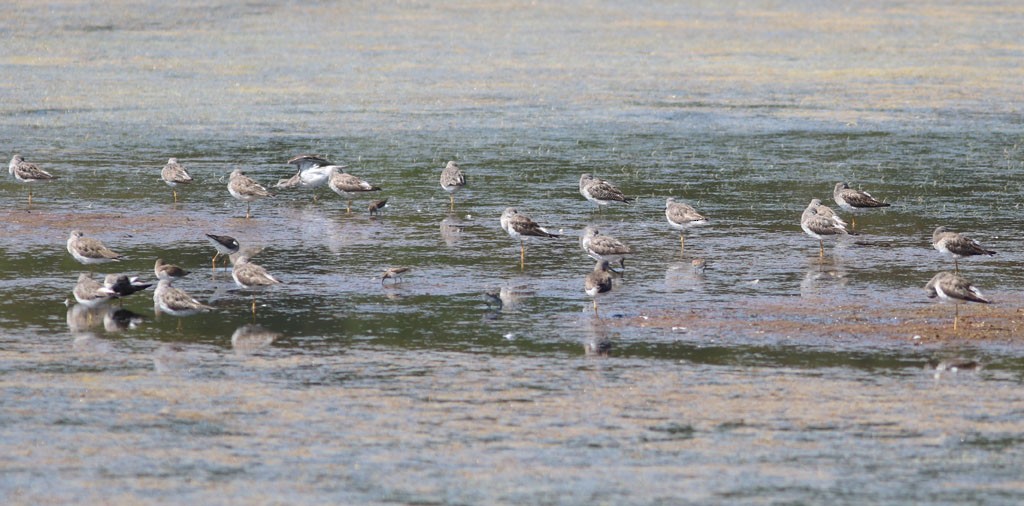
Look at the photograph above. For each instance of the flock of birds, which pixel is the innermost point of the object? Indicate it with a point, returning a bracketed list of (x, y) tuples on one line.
[(817, 221)]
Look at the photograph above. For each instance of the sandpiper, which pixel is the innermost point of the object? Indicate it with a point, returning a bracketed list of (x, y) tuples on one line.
[(165, 270), (957, 245), (346, 184), (949, 286), (394, 273), (819, 225), (225, 245), (175, 174), (682, 216), (598, 281), (452, 180), (520, 226), (28, 173), (823, 210), (249, 275), (90, 293), (175, 301), (854, 200), (122, 285), (603, 247), (90, 251), (243, 188), (376, 206), (601, 192)]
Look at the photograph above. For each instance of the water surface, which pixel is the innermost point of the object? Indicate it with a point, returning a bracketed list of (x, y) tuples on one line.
[(773, 376)]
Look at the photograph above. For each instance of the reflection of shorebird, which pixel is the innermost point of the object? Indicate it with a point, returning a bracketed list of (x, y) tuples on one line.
[(682, 216), (819, 225), (520, 226), (175, 174), (90, 293), (90, 251), (957, 245), (28, 173), (598, 281), (225, 245), (119, 319), (163, 270), (603, 247), (601, 192), (251, 337), (949, 286), (452, 180), (346, 184), (394, 273), (249, 275), (451, 230), (854, 200), (243, 188), (175, 301)]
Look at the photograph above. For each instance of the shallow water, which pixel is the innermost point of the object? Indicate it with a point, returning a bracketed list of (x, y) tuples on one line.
[(773, 376)]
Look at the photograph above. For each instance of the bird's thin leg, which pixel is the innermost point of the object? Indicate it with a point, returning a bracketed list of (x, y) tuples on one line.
[(247, 213), (522, 255), (254, 304), (853, 223), (956, 315), (348, 209), (174, 193), (452, 197), (956, 266), (682, 243), (30, 195), (821, 249), (214, 262)]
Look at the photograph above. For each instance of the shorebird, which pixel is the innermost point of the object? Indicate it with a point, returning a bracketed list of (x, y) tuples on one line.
[(394, 273), (174, 174), (249, 275), (598, 281), (165, 270), (682, 216), (854, 200), (90, 293), (520, 226), (28, 173), (243, 188), (451, 180), (376, 206), (122, 286), (949, 286), (823, 210), (601, 192), (90, 251), (175, 301), (225, 245), (312, 171), (346, 184), (957, 245), (819, 225), (603, 247)]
